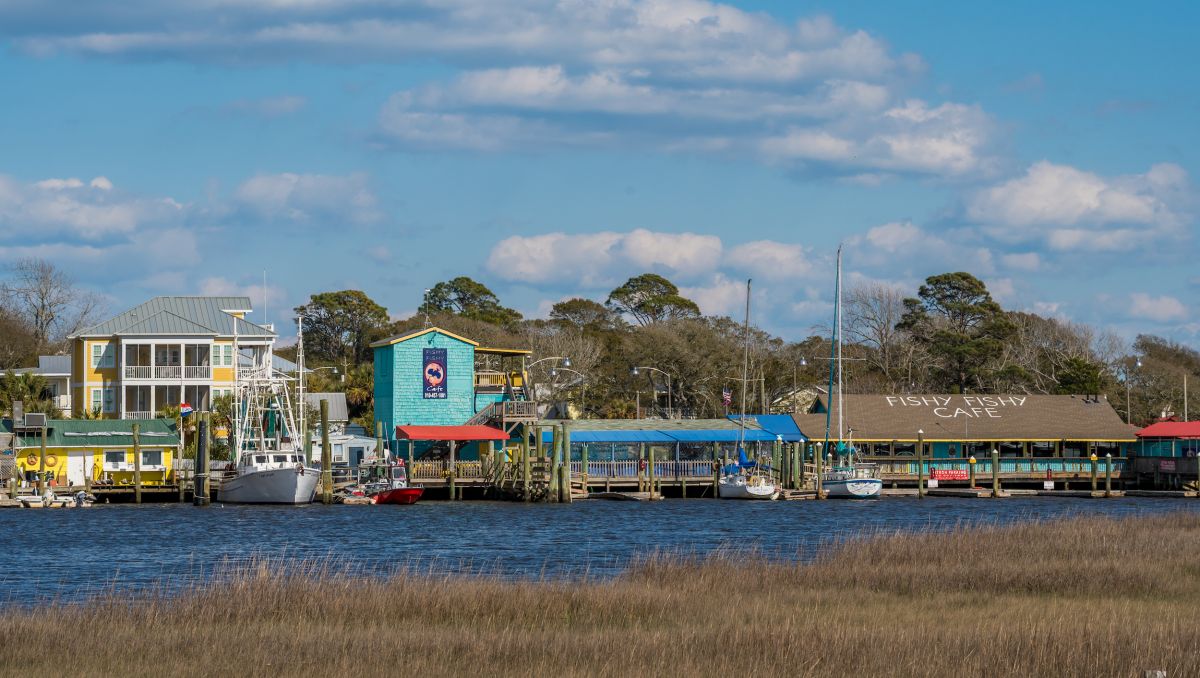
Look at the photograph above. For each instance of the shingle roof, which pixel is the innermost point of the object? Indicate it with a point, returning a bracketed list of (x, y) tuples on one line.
[(189, 315), (970, 417), (102, 432)]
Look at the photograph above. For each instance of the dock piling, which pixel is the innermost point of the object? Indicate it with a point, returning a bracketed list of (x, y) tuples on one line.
[(137, 461), (995, 472), (1094, 459), (42, 462), (526, 468), (920, 464), (1108, 474), (326, 456), (200, 472), (817, 459), (651, 469), (567, 496)]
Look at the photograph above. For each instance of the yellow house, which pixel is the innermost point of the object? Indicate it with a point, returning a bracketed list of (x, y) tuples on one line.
[(99, 452), (167, 351)]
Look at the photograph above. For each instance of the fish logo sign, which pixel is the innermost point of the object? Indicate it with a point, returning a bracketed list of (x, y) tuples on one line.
[(433, 374)]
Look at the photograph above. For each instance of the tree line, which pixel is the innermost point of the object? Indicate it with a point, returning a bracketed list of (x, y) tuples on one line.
[(949, 335)]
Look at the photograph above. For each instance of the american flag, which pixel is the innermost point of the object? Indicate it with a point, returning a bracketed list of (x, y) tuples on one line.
[(727, 397)]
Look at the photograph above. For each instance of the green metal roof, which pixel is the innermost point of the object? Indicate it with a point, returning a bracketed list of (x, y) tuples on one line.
[(94, 433), (205, 316)]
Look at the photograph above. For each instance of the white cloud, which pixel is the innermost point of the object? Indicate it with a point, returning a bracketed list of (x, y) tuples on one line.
[(593, 260), (310, 197), (905, 248), (1161, 309), (718, 296), (1070, 209), (771, 260), (69, 208), (1024, 261), (219, 286)]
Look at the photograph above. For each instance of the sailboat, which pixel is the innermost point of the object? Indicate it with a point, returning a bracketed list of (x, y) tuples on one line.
[(271, 466), (746, 479), (847, 479)]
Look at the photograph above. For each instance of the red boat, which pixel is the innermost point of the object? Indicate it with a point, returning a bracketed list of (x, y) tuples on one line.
[(388, 484)]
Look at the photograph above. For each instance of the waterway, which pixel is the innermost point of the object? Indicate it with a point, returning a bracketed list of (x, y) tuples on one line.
[(69, 554)]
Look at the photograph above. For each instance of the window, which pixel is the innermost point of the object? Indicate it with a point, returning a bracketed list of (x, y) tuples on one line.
[(104, 355), (104, 400), (152, 458), (222, 355), (279, 458), (260, 459), (114, 457)]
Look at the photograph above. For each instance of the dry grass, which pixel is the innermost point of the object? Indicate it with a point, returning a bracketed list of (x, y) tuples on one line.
[(1086, 597)]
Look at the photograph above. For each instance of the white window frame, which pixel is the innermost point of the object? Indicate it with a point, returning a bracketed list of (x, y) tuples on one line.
[(104, 356), (150, 466), (122, 465), (107, 397)]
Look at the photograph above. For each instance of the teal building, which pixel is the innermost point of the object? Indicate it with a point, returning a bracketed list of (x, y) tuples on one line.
[(437, 378)]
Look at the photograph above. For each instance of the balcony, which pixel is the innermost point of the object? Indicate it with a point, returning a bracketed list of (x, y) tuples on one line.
[(168, 372), (197, 372), (138, 371), (138, 415)]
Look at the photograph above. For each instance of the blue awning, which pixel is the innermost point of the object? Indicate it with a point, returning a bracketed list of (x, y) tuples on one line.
[(656, 436), (782, 425), (722, 436)]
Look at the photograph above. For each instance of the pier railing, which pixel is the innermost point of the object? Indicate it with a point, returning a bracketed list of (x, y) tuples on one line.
[(1024, 466)]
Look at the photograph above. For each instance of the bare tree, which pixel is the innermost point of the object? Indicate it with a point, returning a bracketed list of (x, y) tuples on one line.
[(48, 299), (872, 312)]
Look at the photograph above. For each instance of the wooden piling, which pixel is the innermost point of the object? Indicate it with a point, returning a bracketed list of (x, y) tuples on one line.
[(1094, 459), (379, 448), (1108, 474), (200, 472), (651, 468), (920, 464), (995, 473), (567, 496), (42, 462), (452, 472), (137, 462), (583, 458), (326, 456), (817, 460), (526, 468), (716, 469), (971, 466), (641, 474)]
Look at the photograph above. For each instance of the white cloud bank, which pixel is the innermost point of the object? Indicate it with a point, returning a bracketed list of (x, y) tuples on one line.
[(1070, 209), (310, 197), (1162, 309)]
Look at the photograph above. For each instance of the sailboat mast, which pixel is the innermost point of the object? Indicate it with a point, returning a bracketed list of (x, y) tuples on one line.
[(302, 434), (745, 366), (838, 333)]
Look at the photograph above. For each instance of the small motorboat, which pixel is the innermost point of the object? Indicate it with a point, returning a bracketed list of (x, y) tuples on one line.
[(387, 483)]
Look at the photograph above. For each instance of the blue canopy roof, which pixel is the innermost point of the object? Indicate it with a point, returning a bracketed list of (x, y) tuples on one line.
[(782, 425), (656, 436)]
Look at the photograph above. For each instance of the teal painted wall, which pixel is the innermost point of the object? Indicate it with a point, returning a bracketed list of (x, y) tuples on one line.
[(399, 383)]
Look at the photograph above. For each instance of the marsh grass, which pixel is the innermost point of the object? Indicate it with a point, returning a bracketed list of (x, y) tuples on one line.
[(1081, 597)]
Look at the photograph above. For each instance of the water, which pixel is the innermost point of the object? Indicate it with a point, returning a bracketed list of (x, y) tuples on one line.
[(68, 554)]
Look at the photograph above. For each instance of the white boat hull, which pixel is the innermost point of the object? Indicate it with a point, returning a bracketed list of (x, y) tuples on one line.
[(736, 487), (270, 486), (853, 488)]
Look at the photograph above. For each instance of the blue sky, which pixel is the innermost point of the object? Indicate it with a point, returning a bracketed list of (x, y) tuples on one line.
[(553, 148)]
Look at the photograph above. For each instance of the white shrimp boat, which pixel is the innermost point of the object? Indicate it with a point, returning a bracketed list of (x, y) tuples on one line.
[(271, 466), (858, 482)]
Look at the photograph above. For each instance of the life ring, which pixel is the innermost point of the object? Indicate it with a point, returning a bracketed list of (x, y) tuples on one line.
[(51, 460), (31, 460)]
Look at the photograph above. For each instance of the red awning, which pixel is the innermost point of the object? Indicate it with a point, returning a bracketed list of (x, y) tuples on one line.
[(456, 433), (1171, 429)]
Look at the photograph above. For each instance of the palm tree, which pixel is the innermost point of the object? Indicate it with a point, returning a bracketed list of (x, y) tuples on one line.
[(30, 389)]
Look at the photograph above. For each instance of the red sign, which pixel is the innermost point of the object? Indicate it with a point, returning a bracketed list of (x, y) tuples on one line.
[(1166, 465), (949, 474)]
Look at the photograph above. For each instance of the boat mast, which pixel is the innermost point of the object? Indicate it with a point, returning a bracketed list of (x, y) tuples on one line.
[(745, 366), (302, 435), (838, 334)]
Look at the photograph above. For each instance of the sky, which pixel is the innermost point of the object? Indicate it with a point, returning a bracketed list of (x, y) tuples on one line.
[(554, 148)]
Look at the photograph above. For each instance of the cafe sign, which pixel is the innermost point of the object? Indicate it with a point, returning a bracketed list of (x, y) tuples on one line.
[(961, 406)]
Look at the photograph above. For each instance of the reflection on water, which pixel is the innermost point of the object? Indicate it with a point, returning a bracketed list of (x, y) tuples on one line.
[(69, 553)]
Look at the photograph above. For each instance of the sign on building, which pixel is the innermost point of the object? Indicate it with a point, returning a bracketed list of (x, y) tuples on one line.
[(434, 373)]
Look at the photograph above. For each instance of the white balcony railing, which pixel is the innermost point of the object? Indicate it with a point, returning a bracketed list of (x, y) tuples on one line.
[(168, 372), (135, 414), (138, 371), (197, 372)]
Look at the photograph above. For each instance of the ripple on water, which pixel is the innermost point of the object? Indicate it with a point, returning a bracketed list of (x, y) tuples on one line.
[(71, 554)]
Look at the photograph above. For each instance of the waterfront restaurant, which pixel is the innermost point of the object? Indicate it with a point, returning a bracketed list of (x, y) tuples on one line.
[(1169, 439), (957, 426)]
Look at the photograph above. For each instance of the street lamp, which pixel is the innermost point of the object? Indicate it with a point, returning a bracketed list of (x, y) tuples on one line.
[(566, 362), (634, 372), (582, 379)]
